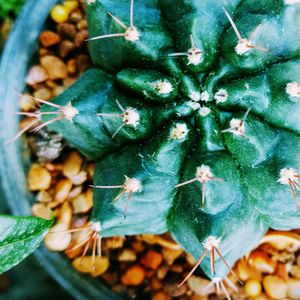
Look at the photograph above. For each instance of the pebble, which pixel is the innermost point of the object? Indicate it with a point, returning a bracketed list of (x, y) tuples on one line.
[(41, 210), (80, 178), (27, 103), (36, 74), (81, 37), (161, 296), (199, 285), (57, 239), (245, 272), (293, 289), (253, 288), (114, 242), (65, 48), (59, 13), (55, 67), (275, 287), (72, 164), (84, 62), (152, 259), (43, 93), (39, 178), (127, 255), (85, 265), (72, 66), (49, 38), (44, 197), (262, 262), (82, 204), (62, 190), (171, 255), (133, 276), (67, 30)]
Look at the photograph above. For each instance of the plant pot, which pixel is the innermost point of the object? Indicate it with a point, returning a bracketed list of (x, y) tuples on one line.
[(14, 159)]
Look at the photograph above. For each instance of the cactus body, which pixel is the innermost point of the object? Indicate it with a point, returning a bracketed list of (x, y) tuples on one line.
[(192, 114)]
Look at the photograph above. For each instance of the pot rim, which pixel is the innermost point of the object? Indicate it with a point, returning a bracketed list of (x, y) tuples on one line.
[(17, 54)]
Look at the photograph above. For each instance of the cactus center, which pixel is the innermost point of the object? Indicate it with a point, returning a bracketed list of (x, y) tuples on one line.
[(96, 226), (195, 56), (131, 117), (179, 132), (164, 87), (132, 34), (204, 174), (293, 89), (212, 242), (221, 96), (132, 185), (69, 111)]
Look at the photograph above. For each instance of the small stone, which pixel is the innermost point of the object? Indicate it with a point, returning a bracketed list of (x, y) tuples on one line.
[(85, 265), (253, 288), (43, 93), (82, 24), (162, 272), (69, 81), (72, 66), (59, 14), (27, 103), (36, 74), (38, 178), (75, 17), (127, 255), (57, 239), (81, 37), (156, 284), (67, 30), (44, 197), (80, 178), (262, 262), (133, 276), (293, 289), (82, 204), (84, 62), (152, 259), (275, 287), (65, 48), (177, 269), (161, 296), (65, 214), (114, 242), (76, 191), (49, 38), (171, 255), (62, 190), (295, 271), (58, 90), (55, 67), (72, 164), (41, 210), (245, 272), (199, 285)]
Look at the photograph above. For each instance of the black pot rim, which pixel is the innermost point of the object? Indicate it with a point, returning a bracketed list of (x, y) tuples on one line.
[(19, 49)]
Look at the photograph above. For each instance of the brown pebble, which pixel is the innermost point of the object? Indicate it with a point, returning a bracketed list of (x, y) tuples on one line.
[(82, 24), (38, 178), (81, 37), (110, 278), (152, 259), (62, 190), (65, 48), (41, 210), (75, 17), (275, 287), (55, 67), (67, 30), (162, 272), (72, 164), (36, 74), (171, 255), (133, 276), (114, 242), (127, 255), (43, 93), (69, 81), (83, 62), (72, 66), (49, 38), (161, 296), (156, 284), (27, 103)]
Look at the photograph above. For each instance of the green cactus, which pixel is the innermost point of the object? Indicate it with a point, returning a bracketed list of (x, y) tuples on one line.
[(192, 114)]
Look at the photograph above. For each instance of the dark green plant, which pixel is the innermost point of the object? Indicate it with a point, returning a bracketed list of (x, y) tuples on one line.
[(10, 8), (192, 114)]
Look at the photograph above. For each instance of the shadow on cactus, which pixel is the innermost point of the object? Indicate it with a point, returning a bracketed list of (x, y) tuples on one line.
[(192, 114)]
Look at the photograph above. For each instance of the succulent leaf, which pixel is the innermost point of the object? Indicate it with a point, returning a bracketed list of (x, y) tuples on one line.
[(19, 237)]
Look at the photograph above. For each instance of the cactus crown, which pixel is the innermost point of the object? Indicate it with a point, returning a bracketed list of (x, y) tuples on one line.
[(192, 114)]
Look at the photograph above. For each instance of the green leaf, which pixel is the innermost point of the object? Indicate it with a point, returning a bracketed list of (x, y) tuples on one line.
[(19, 237)]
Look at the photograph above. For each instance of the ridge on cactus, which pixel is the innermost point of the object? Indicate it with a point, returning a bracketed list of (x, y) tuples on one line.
[(187, 91)]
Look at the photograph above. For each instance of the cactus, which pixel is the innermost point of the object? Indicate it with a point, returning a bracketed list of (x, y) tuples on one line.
[(10, 8), (192, 115)]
